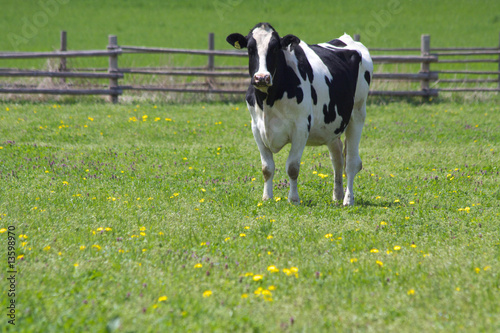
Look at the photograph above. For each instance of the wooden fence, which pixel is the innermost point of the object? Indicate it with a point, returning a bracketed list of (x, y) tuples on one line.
[(431, 81)]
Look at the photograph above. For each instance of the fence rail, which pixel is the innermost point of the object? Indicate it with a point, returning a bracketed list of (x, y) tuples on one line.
[(431, 81)]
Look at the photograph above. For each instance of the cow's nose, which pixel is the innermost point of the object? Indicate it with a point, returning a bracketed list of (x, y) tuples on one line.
[(262, 79)]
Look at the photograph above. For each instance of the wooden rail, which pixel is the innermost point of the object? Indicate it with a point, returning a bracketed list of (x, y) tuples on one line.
[(432, 80)]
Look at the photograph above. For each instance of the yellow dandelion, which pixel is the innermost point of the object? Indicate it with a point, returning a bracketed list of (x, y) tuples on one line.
[(328, 236), (95, 246), (383, 223), (397, 248), (207, 293), (353, 260), (142, 229), (380, 263), (75, 264), (413, 245), (273, 269), (2, 230), (108, 229), (162, 298), (477, 270), (257, 277), (242, 235), (411, 292), (374, 251), (270, 237), (487, 268), (277, 199), (272, 287), (142, 234), (244, 296), (198, 265), (46, 248)]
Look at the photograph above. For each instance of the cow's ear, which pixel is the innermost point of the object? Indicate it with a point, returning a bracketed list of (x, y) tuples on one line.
[(237, 40), (289, 40)]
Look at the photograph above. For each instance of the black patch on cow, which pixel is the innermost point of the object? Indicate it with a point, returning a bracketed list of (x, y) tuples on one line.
[(344, 67), (303, 64), (309, 123), (337, 43), (314, 96), (367, 77)]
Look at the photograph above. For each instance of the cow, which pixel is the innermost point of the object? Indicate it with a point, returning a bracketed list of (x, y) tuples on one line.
[(306, 95)]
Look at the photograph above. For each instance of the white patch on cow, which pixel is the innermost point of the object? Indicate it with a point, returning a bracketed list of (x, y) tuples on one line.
[(262, 36)]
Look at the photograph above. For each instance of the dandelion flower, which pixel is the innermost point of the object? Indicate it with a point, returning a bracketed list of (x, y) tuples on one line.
[(411, 292), (273, 269), (328, 236), (397, 248), (477, 270), (242, 235), (82, 247), (75, 264), (353, 260), (380, 263), (207, 293), (198, 265), (244, 296), (46, 248), (2, 230), (257, 277), (162, 298), (374, 251)]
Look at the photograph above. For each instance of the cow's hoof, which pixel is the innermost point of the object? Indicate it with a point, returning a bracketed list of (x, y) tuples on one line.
[(349, 201)]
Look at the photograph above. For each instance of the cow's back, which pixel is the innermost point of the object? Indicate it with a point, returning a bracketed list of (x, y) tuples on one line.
[(339, 73)]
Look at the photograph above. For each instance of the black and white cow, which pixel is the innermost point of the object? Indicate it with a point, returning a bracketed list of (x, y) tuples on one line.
[(306, 95)]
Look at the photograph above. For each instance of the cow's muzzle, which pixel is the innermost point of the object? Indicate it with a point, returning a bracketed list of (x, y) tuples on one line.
[(262, 80)]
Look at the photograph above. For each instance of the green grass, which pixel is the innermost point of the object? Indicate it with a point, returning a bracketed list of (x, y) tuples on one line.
[(186, 24), (175, 194)]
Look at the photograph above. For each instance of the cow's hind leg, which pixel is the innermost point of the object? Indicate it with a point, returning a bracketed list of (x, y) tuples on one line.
[(353, 161), (337, 159)]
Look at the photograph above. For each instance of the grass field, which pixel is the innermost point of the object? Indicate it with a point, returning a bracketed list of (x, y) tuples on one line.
[(34, 25), (138, 218)]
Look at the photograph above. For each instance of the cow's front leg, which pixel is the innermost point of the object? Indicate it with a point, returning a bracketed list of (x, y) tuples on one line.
[(293, 168), (266, 157)]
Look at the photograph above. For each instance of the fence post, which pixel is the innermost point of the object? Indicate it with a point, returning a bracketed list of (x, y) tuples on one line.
[(211, 47), (64, 47), (425, 50), (357, 37), (211, 60), (113, 66)]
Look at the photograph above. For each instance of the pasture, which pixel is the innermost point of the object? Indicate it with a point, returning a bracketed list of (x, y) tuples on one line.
[(144, 217)]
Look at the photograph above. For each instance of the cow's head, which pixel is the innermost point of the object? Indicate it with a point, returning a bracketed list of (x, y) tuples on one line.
[(265, 50)]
